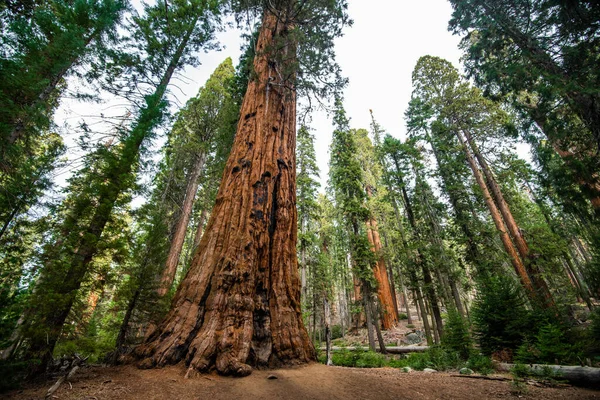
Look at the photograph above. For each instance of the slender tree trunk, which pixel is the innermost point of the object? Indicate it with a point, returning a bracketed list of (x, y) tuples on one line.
[(120, 343), (409, 319), (370, 322), (457, 300), (497, 218), (421, 306), (52, 318), (239, 304), (200, 228), (529, 259), (435, 309), (168, 275), (327, 317)]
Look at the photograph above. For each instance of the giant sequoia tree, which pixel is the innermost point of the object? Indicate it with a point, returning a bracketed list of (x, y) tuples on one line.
[(239, 305)]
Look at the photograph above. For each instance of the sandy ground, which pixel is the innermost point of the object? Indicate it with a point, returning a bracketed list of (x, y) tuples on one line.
[(314, 381)]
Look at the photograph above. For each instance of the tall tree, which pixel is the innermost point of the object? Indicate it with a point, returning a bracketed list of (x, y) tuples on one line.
[(239, 304), (467, 113), (165, 45), (207, 119), (543, 55), (346, 177), (307, 187)]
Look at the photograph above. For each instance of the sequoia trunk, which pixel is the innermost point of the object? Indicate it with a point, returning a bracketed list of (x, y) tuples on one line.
[(239, 305), (390, 316)]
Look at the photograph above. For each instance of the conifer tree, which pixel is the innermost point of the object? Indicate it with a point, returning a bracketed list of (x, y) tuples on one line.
[(89, 206)]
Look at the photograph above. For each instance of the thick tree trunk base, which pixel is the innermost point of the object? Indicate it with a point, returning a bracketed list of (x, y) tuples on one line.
[(238, 308)]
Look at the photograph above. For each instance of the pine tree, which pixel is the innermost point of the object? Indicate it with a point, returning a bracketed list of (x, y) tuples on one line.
[(107, 182)]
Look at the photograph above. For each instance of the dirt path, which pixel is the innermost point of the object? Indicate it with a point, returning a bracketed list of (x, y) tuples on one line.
[(314, 381)]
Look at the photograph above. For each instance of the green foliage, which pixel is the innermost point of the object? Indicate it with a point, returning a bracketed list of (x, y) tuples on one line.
[(456, 334), (358, 359), (314, 26), (480, 363), (402, 316), (500, 319), (550, 345)]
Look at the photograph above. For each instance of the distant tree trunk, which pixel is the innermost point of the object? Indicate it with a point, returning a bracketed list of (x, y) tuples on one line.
[(200, 228), (424, 317), (430, 292), (497, 218), (409, 319), (239, 304), (327, 317), (389, 318), (457, 300), (168, 274), (120, 343), (529, 259), (369, 318)]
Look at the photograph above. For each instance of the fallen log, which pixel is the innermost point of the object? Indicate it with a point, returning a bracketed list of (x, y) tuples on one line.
[(567, 372), (391, 349)]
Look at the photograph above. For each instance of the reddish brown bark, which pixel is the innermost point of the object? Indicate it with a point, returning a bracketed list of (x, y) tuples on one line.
[(200, 228), (538, 281), (168, 274), (497, 218), (239, 305), (389, 317)]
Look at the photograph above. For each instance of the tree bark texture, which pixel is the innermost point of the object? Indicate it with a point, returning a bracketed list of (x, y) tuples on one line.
[(528, 258), (389, 319), (168, 274), (497, 218), (239, 305)]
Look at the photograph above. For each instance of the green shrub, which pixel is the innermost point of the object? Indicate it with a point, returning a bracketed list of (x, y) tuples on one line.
[(357, 358), (480, 363), (456, 335), (500, 319), (402, 316), (436, 357), (336, 332), (549, 346)]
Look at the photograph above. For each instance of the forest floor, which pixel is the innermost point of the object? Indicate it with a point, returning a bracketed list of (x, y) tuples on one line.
[(314, 381)]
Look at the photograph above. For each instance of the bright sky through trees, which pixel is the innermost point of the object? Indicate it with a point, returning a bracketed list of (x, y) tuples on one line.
[(377, 54)]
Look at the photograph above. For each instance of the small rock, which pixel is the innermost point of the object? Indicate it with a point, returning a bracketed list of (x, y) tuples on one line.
[(272, 377), (413, 338), (429, 370), (406, 369), (465, 371)]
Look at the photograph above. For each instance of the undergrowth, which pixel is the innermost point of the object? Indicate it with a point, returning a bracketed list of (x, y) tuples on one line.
[(436, 357)]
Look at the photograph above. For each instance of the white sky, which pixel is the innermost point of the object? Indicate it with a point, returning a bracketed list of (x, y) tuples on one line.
[(377, 54)]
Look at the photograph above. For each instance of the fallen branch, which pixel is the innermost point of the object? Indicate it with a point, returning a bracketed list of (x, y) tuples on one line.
[(67, 377), (392, 349), (567, 372)]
